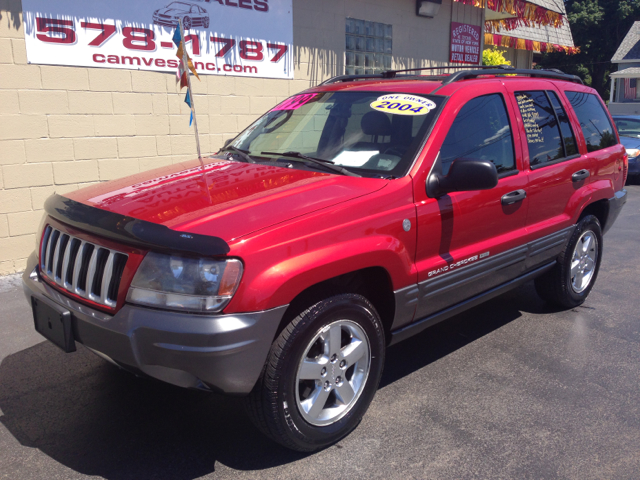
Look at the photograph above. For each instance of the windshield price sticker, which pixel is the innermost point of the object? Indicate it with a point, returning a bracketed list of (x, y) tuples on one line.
[(401, 104)]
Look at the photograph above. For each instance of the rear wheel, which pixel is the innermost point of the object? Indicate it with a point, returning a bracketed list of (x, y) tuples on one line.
[(571, 280), (321, 375)]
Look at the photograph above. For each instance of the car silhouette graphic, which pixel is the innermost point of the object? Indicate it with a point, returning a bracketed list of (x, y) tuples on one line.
[(192, 15)]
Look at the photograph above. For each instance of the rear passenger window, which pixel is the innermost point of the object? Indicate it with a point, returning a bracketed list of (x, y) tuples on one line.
[(568, 137), (595, 124), (549, 134), (481, 130)]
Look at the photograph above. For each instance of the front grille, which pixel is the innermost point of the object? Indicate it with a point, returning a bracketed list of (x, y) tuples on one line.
[(82, 268)]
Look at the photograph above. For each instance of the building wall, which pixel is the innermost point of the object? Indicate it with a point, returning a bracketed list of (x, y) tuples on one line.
[(62, 128), (519, 58)]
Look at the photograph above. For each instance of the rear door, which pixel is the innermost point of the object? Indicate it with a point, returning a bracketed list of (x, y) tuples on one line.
[(469, 242), (560, 172)]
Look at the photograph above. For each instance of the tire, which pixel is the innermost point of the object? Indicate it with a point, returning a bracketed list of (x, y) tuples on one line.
[(282, 403), (206, 22), (570, 288), (186, 23)]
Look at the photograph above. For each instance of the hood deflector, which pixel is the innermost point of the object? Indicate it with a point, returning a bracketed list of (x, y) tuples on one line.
[(129, 230)]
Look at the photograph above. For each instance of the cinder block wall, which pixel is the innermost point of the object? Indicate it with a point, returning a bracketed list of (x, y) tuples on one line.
[(62, 128)]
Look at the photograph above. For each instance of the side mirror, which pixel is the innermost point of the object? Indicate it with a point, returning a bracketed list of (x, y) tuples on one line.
[(227, 142), (465, 174)]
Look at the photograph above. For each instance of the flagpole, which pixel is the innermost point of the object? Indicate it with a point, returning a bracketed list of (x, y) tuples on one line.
[(185, 63)]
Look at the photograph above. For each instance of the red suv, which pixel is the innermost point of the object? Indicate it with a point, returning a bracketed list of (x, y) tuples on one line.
[(346, 219)]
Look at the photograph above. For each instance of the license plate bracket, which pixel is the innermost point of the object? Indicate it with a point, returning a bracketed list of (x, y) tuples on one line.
[(53, 323)]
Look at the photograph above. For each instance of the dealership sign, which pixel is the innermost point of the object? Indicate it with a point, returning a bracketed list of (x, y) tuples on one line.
[(252, 38), (465, 43)]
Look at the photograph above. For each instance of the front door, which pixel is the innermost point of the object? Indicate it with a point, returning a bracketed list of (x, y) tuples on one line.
[(469, 242)]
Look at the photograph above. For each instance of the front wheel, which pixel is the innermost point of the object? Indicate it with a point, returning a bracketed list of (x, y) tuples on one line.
[(571, 280), (321, 375)]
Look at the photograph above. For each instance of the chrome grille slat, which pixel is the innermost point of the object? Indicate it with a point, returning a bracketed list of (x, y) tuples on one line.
[(106, 278), (58, 251), (65, 265), (56, 261), (76, 269), (90, 274)]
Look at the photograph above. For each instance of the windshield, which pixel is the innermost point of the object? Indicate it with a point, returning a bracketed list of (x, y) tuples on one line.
[(368, 133), (629, 127)]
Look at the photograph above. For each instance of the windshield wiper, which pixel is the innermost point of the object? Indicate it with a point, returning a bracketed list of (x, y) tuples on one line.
[(318, 161), (244, 154)]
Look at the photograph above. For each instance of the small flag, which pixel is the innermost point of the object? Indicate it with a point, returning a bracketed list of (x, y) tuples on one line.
[(187, 100), (180, 54), (177, 38)]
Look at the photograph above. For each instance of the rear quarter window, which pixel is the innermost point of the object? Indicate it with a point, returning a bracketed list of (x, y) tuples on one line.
[(594, 122)]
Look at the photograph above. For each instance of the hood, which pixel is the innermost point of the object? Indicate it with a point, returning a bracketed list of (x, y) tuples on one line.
[(630, 142), (230, 200)]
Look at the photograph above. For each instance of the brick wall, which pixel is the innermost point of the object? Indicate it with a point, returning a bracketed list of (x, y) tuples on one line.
[(62, 128)]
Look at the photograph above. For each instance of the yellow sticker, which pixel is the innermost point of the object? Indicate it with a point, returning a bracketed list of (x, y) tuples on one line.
[(403, 104)]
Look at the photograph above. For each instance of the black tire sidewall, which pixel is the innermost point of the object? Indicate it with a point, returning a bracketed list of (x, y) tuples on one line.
[(588, 223), (340, 307)]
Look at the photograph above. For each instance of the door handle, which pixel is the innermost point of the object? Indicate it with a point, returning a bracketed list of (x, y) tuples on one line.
[(580, 175), (513, 197)]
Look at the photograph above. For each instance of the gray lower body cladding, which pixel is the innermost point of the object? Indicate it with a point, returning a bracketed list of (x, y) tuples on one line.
[(223, 353), (459, 287)]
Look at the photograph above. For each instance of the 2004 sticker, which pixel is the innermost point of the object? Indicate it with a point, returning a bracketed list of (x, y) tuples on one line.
[(402, 104)]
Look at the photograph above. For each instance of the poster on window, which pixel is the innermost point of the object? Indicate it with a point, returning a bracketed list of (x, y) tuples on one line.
[(465, 43), (251, 38)]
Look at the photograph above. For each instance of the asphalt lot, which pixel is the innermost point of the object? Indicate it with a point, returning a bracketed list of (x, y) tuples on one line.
[(512, 389)]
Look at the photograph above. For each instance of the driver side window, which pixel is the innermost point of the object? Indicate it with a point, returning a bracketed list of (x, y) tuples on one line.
[(481, 130)]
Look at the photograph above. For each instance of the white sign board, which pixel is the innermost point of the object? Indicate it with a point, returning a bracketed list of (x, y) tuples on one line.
[(251, 38)]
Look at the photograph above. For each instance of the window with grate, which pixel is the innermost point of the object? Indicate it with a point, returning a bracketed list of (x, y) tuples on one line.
[(369, 47)]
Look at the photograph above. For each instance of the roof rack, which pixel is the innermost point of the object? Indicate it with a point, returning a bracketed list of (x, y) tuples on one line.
[(462, 75), (394, 73), (552, 73)]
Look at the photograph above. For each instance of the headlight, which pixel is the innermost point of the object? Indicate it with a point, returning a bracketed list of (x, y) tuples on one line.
[(632, 152), (183, 283)]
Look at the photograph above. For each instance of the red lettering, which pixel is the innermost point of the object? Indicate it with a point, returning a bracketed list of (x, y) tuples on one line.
[(160, 62), (250, 69), (210, 66), (106, 30), (282, 49), (195, 43), (228, 45), (95, 58), (148, 64), (250, 50), (131, 60), (199, 65), (172, 63), (226, 67), (133, 36), (113, 59), (64, 34), (261, 5), (229, 3), (245, 4)]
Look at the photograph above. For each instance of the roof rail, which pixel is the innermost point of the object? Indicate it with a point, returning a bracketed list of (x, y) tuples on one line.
[(394, 73), (465, 74), (552, 73)]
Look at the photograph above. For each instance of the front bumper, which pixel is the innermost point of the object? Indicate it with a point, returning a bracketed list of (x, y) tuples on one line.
[(223, 353)]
